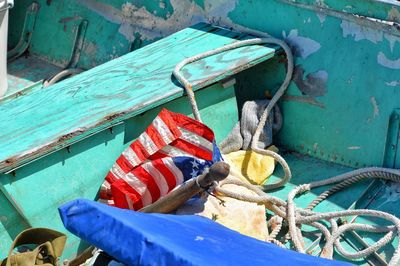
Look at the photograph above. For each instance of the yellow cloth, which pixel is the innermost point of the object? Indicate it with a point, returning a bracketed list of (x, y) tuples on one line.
[(253, 167)]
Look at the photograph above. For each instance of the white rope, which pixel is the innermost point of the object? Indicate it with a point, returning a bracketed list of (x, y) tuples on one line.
[(287, 210), (295, 217), (188, 88)]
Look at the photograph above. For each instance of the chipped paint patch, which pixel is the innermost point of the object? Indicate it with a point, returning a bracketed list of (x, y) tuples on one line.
[(321, 3), (375, 106), (386, 62), (393, 83), (162, 4), (321, 17), (315, 147), (359, 32), (391, 193), (392, 40), (133, 19), (90, 48), (303, 99), (150, 26), (354, 148), (302, 46), (313, 85), (110, 13), (394, 14)]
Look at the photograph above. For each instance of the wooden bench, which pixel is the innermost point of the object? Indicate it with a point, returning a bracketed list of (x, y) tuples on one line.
[(57, 143), (47, 120)]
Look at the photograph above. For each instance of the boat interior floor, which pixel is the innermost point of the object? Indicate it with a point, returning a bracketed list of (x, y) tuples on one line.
[(28, 72), (367, 194)]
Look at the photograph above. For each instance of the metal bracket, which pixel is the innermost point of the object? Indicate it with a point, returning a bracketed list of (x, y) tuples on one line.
[(26, 36), (392, 152), (78, 44), (228, 82)]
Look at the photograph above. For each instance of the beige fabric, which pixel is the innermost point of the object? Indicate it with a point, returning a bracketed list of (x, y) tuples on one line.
[(50, 245), (244, 217)]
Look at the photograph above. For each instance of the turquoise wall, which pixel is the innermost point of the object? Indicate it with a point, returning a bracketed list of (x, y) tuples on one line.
[(347, 54), (341, 106)]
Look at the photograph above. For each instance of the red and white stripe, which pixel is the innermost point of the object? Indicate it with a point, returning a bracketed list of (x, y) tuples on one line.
[(145, 171)]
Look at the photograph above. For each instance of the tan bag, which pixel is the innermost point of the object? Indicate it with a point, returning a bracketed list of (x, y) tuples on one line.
[(50, 245)]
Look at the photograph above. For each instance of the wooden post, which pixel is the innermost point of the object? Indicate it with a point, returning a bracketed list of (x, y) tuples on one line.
[(182, 193)]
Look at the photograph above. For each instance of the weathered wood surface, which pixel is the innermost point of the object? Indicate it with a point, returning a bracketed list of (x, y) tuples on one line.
[(49, 119)]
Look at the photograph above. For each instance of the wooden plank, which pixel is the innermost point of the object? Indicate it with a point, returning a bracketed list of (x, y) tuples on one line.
[(52, 118)]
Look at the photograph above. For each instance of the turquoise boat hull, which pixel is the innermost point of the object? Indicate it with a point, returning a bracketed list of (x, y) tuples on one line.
[(341, 110)]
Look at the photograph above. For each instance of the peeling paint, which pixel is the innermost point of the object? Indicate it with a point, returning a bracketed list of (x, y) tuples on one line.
[(386, 62), (321, 17), (186, 13), (90, 48), (68, 19), (129, 16), (321, 3), (394, 14), (303, 99), (313, 85), (315, 146), (359, 32), (391, 193), (392, 40), (354, 148), (162, 4), (375, 107), (302, 46), (393, 83)]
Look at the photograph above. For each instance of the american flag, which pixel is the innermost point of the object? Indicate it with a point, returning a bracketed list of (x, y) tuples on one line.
[(173, 149)]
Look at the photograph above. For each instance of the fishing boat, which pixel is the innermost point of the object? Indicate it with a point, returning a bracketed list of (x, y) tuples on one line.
[(81, 80)]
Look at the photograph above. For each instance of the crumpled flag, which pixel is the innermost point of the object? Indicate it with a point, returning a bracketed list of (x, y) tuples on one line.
[(251, 166), (173, 149)]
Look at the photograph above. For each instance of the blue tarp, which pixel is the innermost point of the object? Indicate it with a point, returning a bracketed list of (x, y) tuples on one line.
[(136, 238)]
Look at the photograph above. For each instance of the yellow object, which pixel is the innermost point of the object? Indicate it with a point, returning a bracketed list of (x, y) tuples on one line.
[(244, 217), (253, 167)]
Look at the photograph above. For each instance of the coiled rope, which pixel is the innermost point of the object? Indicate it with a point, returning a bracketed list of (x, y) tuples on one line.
[(189, 91), (286, 211)]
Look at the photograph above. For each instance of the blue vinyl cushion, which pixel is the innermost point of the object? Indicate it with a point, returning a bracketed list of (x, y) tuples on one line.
[(136, 238)]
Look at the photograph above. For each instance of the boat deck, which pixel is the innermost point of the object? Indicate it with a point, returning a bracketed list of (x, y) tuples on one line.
[(369, 194)]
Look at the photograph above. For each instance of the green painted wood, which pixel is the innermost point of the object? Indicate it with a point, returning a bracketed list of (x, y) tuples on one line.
[(38, 189), (49, 119), (217, 105), (31, 196)]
